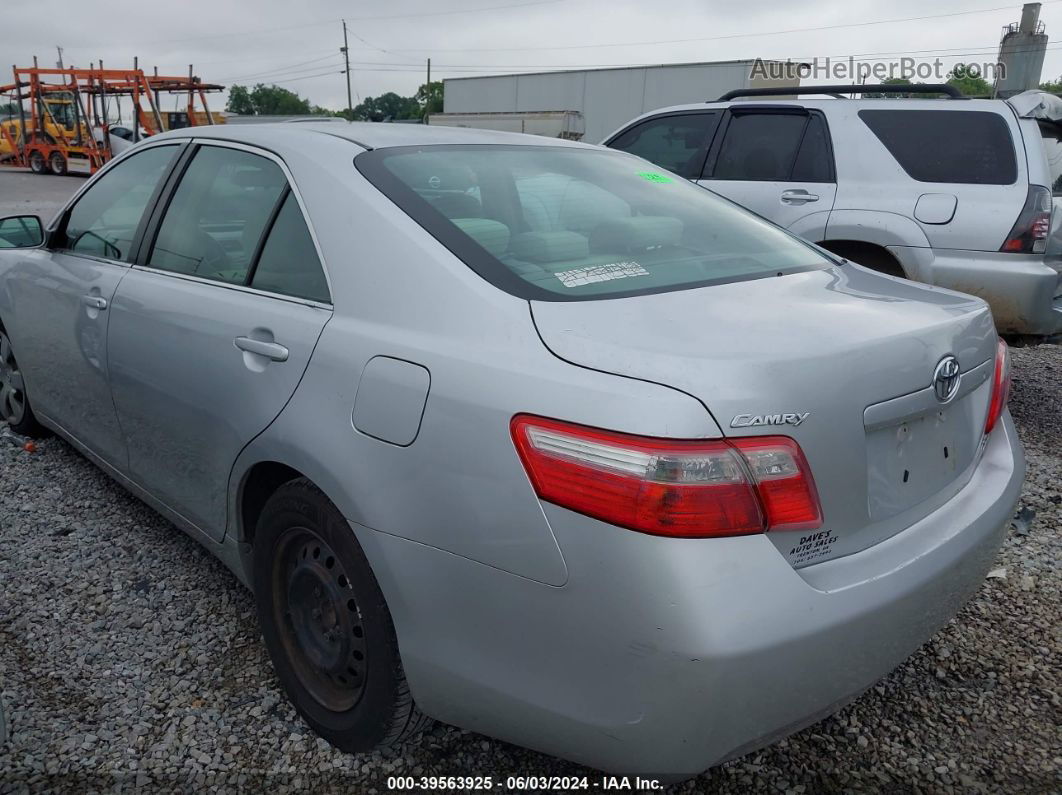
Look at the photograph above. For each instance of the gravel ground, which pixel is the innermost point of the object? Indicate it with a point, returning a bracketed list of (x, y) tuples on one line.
[(24, 193), (129, 658)]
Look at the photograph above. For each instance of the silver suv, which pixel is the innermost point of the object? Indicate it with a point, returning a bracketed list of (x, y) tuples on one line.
[(954, 192)]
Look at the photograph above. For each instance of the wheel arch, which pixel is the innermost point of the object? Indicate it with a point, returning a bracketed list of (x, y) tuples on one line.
[(257, 485), (869, 255)]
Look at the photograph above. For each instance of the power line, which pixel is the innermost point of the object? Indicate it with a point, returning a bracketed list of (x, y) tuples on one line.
[(387, 66), (280, 70), (418, 15), (717, 38), (307, 77)]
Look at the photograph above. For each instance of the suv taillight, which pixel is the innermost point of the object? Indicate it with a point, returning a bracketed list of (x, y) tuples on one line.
[(1000, 387), (667, 487), (1030, 232)]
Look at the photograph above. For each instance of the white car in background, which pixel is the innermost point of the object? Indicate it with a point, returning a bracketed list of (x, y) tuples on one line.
[(119, 136), (961, 193)]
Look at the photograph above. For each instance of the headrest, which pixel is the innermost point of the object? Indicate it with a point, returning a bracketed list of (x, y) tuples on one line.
[(638, 233), (550, 246), (492, 235), (255, 177)]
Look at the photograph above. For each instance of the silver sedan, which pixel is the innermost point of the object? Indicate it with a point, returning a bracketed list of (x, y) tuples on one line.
[(524, 435)]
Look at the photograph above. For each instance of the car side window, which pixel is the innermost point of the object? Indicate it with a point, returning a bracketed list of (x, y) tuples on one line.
[(104, 220), (677, 143), (774, 147), (967, 147), (814, 160), (218, 214), (288, 263)]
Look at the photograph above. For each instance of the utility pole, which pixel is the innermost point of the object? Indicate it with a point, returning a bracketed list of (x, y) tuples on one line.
[(427, 95), (346, 59)]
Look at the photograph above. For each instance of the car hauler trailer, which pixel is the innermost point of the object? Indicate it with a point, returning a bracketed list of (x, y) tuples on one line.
[(59, 121)]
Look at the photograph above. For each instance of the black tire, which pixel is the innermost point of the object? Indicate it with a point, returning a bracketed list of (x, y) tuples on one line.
[(15, 408), (57, 164), (37, 162), (326, 624)]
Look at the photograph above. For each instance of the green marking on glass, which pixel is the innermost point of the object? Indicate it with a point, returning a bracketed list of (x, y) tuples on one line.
[(652, 176)]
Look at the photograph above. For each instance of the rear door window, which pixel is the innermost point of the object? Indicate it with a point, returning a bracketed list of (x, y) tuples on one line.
[(218, 214), (953, 146), (289, 264), (677, 143), (774, 147)]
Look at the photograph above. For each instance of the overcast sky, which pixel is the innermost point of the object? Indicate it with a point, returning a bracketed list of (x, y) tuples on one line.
[(296, 44)]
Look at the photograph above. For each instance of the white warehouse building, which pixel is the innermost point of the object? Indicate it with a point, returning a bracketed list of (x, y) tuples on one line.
[(606, 98)]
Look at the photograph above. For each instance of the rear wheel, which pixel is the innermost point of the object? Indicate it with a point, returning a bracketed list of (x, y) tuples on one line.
[(57, 164), (15, 407), (326, 624), (37, 162)]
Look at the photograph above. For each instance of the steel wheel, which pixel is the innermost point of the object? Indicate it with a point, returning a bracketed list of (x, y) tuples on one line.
[(12, 388), (37, 163), (319, 621)]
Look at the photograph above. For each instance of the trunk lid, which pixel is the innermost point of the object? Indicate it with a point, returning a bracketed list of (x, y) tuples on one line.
[(842, 360)]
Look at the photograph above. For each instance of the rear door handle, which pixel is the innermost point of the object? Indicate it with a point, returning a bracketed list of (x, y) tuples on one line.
[(271, 350), (798, 196), (94, 302)]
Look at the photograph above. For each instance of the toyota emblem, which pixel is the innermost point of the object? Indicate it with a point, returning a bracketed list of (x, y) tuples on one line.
[(946, 378)]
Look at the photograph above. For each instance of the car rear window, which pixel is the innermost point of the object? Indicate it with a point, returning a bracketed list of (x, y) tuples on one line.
[(568, 223), (956, 146)]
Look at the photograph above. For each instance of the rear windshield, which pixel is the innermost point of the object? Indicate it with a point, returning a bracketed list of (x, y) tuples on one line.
[(958, 146), (557, 223)]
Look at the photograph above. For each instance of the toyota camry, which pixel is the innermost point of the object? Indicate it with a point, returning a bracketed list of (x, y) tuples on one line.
[(524, 435)]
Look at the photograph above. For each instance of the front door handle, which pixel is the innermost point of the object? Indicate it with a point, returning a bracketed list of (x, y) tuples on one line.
[(271, 350), (798, 196), (94, 302)]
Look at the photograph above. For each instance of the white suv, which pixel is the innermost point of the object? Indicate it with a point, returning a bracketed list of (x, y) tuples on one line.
[(954, 192)]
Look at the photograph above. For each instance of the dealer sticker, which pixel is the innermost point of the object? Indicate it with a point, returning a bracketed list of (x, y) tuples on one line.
[(600, 273), (812, 546)]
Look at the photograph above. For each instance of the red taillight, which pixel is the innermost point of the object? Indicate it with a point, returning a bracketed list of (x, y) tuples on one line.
[(1033, 226), (1000, 387), (784, 481), (686, 489)]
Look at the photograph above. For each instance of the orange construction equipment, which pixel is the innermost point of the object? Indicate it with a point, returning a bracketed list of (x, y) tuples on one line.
[(57, 119)]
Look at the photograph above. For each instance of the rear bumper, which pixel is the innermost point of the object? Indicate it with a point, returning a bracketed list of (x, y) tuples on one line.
[(663, 656), (1024, 290)]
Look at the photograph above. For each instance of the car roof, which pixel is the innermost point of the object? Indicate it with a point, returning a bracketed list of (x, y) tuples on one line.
[(828, 104), (368, 135)]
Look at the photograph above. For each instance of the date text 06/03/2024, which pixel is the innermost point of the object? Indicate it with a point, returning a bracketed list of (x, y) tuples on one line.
[(522, 783)]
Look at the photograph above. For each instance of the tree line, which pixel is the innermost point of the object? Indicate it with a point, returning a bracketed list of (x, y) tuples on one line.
[(968, 82), (263, 100)]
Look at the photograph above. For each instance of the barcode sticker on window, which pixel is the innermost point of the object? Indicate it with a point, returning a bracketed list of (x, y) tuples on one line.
[(600, 273)]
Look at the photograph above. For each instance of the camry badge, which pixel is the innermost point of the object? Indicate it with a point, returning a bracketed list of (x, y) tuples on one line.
[(750, 420), (946, 378)]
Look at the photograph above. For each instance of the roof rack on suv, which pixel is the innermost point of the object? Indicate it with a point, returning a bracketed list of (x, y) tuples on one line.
[(918, 88)]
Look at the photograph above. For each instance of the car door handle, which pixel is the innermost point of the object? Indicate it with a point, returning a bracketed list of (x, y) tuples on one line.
[(798, 196), (271, 350), (94, 302)]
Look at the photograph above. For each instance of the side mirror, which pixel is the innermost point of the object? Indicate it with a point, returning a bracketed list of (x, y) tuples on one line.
[(21, 231)]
